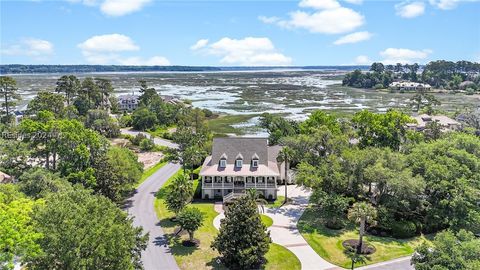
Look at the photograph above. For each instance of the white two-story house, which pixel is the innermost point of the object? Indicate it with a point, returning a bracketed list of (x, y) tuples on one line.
[(238, 164)]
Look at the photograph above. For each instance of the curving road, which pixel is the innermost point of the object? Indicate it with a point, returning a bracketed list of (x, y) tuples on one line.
[(141, 208)]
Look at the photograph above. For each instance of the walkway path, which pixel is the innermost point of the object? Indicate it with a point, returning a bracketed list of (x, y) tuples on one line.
[(284, 229)]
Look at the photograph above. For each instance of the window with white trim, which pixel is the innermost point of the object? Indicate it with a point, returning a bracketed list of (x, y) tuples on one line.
[(223, 163), (255, 163), (238, 163)]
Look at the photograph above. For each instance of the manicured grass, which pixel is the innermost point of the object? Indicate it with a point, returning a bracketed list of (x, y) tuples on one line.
[(277, 203), (223, 124), (151, 171), (280, 258), (328, 243), (203, 257), (266, 220)]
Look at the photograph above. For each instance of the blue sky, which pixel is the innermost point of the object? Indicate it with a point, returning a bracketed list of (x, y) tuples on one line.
[(231, 33)]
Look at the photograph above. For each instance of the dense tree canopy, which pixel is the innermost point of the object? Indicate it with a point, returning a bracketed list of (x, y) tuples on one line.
[(92, 233)]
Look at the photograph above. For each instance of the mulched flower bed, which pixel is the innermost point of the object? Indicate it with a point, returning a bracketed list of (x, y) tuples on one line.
[(353, 243)]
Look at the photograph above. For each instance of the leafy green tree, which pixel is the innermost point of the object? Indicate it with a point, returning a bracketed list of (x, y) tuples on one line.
[(433, 131), (14, 157), (192, 146), (362, 213), (39, 182), (278, 127), (285, 155), (190, 219), (449, 251), (319, 119), (143, 119), (47, 101), (17, 231), (8, 96), (147, 94), (449, 167), (242, 241), (100, 121), (92, 233), (69, 85), (381, 130), (332, 206), (377, 67), (117, 173), (146, 144), (179, 193)]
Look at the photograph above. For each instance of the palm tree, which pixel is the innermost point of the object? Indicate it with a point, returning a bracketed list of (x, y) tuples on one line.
[(285, 155), (355, 257), (255, 196), (362, 213)]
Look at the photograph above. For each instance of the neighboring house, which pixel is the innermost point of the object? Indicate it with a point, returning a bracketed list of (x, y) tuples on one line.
[(409, 86), (5, 178), (128, 102), (238, 164), (447, 123)]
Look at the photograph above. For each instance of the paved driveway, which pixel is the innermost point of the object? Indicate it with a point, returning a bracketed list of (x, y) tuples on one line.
[(141, 208)]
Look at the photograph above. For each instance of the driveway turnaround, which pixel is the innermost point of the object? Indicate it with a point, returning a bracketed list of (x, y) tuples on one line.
[(141, 208), (157, 141), (284, 229)]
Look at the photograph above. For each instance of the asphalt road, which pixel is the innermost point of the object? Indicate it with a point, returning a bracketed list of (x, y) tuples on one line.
[(141, 208), (396, 264), (158, 141)]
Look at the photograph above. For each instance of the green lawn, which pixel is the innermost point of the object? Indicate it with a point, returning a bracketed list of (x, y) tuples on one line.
[(203, 257), (151, 171), (266, 220), (277, 203), (280, 258), (328, 243)]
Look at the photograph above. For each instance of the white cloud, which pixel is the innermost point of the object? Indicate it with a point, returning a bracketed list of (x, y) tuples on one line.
[(356, 2), (353, 38), (328, 18), (448, 4), (330, 21), (31, 47), (109, 49), (362, 60), (319, 4), (122, 7), (410, 9), (109, 43), (115, 8), (199, 44), (398, 55), (249, 51), (268, 20)]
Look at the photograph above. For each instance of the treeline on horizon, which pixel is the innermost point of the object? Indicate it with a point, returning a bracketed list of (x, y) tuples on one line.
[(461, 75), (25, 69)]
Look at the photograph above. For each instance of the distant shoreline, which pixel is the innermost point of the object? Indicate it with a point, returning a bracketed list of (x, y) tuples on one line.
[(102, 69)]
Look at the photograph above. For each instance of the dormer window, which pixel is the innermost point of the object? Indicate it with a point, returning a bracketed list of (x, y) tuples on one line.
[(255, 161), (238, 163), (239, 160), (223, 161)]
